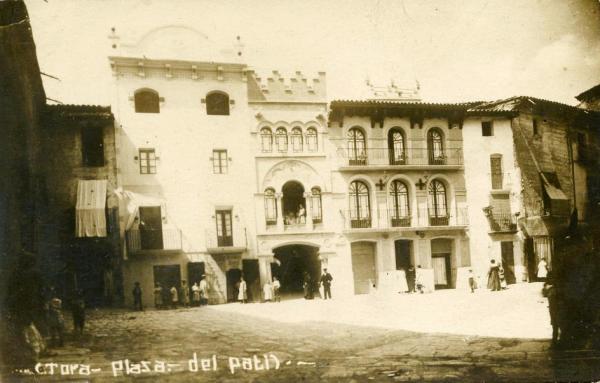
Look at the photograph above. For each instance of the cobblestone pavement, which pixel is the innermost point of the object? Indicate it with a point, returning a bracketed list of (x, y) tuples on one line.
[(305, 350)]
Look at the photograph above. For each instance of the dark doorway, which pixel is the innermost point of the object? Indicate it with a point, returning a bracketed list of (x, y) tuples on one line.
[(403, 254), (233, 278), (508, 261), (291, 263), (151, 228), (168, 276), (252, 278), (530, 256), (294, 204), (195, 272)]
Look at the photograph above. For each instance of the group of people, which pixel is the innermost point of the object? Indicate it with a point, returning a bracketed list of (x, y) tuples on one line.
[(497, 278), (311, 286), (165, 297), (292, 218)]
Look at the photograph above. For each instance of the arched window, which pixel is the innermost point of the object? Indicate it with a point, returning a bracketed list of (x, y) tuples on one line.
[(438, 208), (270, 207), (146, 101), (315, 205), (357, 154), (400, 213), (297, 140), (266, 140), (360, 205), (281, 140), (217, 104), (311, 140), (396, 146), (435, 147)]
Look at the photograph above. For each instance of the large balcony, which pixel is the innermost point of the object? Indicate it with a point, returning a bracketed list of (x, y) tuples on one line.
[(218, 242), (390, 220), (153, 241), (502, 222), (382, 158)]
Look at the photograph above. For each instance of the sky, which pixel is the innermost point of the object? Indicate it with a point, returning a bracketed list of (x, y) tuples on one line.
[(465, 50)]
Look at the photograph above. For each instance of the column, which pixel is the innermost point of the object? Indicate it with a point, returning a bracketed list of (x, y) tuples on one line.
[(279, 197), (308, 208)]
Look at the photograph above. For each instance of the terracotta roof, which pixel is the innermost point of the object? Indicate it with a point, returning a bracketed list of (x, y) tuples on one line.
[(401, 103)]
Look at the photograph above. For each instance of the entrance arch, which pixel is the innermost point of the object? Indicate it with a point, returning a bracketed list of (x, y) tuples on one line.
[(291, 262), (294, 203)]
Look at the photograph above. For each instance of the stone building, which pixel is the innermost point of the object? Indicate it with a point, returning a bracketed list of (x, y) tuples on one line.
[(78, 227), (226, 172)]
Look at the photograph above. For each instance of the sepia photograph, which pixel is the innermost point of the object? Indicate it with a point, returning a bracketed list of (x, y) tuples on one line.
[(300, 191)]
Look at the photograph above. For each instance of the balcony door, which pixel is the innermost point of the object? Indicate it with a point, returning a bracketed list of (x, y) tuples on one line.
[(224, 228), (151, 234)]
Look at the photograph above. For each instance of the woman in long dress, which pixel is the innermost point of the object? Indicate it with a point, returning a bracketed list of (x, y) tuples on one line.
[(268, 291), (494, 276), (402, 283), (542, 269), (243, 291)]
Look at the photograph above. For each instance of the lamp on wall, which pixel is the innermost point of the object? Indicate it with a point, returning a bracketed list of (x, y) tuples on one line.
[(421, 234)]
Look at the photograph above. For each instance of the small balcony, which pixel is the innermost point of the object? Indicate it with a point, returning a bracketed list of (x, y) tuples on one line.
[(399, 218), (502, 222), (154, 241), (408, 158), (220, 243)]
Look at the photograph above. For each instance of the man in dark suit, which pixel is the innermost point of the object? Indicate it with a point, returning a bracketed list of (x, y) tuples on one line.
[(326, 279)]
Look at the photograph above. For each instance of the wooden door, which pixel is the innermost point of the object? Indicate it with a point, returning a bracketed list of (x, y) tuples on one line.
[(363, 266), (224, 228), (508, 261), (151, 228), (403, 254), (441, 270)]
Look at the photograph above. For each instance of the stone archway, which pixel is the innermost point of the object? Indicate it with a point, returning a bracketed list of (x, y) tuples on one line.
[(291, 265)]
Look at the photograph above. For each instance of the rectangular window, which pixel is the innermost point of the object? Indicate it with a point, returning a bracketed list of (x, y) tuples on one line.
[(496, 171), (147, 161), (92, 146), (219, 159), (487, 129), (224, 228)]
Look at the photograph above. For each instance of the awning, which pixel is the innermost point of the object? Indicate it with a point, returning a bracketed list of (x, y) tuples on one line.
[(90, 210), (560, 205)]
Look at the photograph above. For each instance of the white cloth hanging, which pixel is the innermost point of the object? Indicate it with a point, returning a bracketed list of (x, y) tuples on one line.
[(90, 209)]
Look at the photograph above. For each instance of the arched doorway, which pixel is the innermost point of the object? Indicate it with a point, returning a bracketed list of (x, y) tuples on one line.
[(290, 264), (294, 203)]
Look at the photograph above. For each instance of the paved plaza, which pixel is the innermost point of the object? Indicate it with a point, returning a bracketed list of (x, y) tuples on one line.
[(448, 336)]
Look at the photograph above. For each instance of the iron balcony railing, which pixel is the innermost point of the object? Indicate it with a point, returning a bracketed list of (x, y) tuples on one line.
[(389, 219), (413, 156), (502, 222), (148, 240), (236, 238)]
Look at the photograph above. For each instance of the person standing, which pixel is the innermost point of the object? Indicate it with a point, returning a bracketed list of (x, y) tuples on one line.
[(203, 288), (78, 313), (196, 294), (326, 279), (243, 292), (549, 291), (185, 294), (268, 291), (542, 269), (307, 285), (56, 321), (411, 276), (276, 287), (502, 277), (137, 297), (174, 297), (471, 281), (301, 214), (494, 276), (158, 296)]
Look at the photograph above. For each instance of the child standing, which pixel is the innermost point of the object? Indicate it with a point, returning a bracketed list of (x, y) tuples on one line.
[(56, 321), (174, 297)]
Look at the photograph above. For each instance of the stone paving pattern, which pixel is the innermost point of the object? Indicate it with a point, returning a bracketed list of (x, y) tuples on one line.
[(334, 352)]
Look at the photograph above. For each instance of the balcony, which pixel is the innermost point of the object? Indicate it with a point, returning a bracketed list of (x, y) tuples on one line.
[(392, 220), (235, 242), (502, 222), (383, 158), (153, 241)]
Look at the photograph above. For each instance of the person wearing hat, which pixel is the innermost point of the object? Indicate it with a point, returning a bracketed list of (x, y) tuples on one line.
[(326, 279)]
